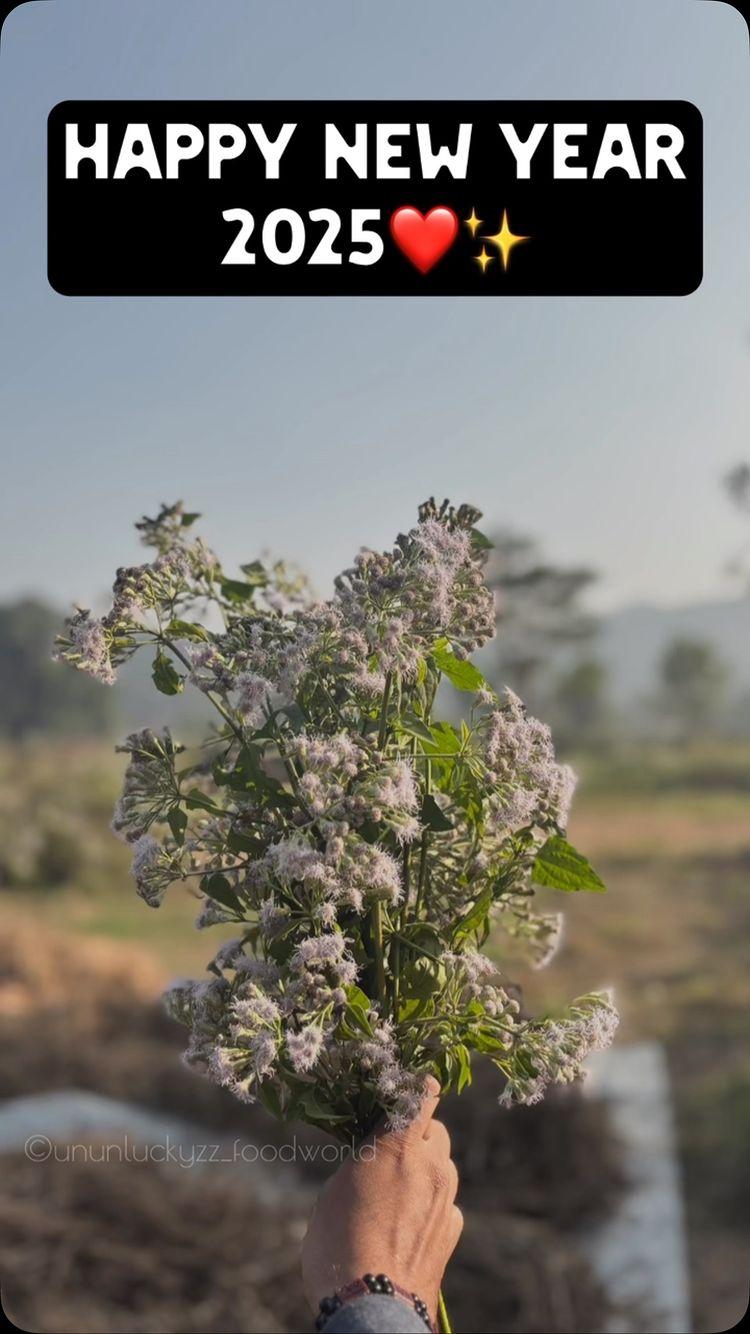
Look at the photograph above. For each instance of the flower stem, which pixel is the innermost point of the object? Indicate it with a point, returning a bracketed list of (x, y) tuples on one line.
[(396, 938), (376, 930), (383, 729), (209, 693), (414, 946), (444, 1322), (396, 973), (422, 878)]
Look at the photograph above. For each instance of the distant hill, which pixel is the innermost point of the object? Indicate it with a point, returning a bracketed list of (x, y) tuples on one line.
[(632, 640)]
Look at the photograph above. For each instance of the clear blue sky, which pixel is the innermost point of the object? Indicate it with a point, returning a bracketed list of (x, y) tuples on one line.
[(312, 426)]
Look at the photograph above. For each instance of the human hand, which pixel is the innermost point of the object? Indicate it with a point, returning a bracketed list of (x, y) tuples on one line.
[(389, 1209)]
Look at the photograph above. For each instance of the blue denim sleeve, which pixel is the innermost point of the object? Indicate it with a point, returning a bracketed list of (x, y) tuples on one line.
[(374, 1313)]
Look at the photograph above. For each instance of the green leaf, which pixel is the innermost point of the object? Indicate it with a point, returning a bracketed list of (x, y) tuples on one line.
[(297, 718), (164, 676), (187, 520), (433, 816), (370, 831), (421, 978), (487, 1041), (177, 821), (196, 800), (559, 866), (235, 590), (357, 1019), (475, 917), (444, 740), (525, 1063), (356, 996), (318, 1112), (185, 630), (239, 842), (256, 573), (481, 542), (269, 1097), (417, 1007), (464, 1067), (224, 777), (414, 726), (460, 672), (247, 773), (218, 887)]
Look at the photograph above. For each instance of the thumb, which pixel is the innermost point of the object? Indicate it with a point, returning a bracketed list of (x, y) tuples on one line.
[(427, 1110), (416, 1128)]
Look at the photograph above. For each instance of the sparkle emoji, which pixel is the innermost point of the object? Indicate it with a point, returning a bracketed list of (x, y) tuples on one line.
[(483, 259), (473, 222), (505, 240)]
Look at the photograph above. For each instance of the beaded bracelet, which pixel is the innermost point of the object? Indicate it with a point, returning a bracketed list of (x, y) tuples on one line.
[(372, 1283)]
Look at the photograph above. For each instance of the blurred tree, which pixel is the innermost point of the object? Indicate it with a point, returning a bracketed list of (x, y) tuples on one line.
[(693, 683), (36, 695), (737, 483), (738, 715), (580, 705), (538, 611), (737, 486)]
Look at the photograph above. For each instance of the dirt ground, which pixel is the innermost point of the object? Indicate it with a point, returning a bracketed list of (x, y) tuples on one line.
[(111, 1246)]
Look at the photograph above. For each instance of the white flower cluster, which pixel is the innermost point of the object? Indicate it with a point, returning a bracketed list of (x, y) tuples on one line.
[(362, 849), (532, 787)]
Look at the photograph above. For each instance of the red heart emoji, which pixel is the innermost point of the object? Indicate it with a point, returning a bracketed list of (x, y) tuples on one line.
[(424, 238)]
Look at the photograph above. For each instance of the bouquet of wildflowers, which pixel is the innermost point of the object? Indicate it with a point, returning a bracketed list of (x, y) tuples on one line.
[(363, 848)]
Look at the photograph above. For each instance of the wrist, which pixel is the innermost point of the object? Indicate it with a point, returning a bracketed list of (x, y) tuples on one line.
[(375, 1284)]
